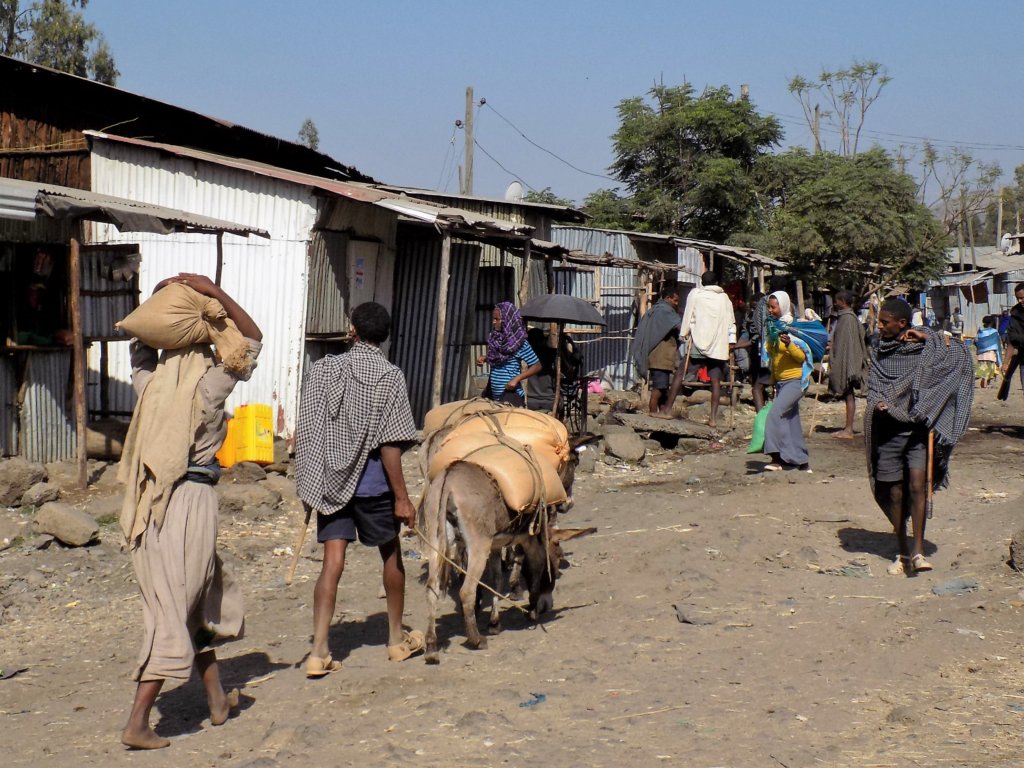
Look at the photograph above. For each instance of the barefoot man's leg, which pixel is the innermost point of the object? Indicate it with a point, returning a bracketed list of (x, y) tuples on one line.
[(137, 733)]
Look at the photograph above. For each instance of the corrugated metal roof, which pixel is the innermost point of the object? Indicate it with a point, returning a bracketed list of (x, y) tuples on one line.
[(25, 200), (746, 255), (964, 279), (558, 212), (456, 219)]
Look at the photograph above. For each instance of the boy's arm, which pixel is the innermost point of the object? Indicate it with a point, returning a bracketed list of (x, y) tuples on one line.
[(391, 458)]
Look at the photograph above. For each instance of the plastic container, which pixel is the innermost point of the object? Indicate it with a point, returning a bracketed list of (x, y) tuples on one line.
[(250, 436)]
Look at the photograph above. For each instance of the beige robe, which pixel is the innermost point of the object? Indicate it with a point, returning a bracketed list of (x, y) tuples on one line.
[(189, 599)]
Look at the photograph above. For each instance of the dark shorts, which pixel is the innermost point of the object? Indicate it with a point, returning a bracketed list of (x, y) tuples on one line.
[(660, 379), (372, 517), (512, 398), (715, 368), (898, 449)]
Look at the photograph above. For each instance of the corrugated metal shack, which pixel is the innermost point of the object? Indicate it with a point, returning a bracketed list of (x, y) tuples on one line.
[(60, 295), (620, 272), (985, 287)]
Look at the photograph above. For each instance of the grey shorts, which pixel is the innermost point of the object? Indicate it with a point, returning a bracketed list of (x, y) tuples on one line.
[(371, 517), (899, 449), (660, 379)]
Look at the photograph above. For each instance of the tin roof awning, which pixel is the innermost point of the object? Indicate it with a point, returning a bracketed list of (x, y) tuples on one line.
[(744, 255), (964, 279), (27, 200), (458, 220)]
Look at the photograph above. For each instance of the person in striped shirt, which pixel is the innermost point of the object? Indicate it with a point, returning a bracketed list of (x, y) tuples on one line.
[(507, 352)]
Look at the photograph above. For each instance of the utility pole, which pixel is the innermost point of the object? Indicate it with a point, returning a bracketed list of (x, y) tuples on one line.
[(467, 174), (999, 220), (816, 129)]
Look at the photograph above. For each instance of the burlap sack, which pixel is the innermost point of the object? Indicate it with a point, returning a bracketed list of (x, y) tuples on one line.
[(522, 479), (177, 316), (452, 413), (546, 435)]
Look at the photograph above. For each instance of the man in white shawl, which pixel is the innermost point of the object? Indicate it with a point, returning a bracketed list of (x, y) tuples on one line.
[(709, 326)]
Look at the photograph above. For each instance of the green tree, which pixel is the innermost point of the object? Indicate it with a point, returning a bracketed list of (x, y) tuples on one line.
[(848, 220), (309, 135), (605, 209), (848, 95), (54, 33), (547, 197), (686, 159)]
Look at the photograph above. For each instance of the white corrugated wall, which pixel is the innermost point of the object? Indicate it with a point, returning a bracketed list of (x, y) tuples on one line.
[(267, 277)]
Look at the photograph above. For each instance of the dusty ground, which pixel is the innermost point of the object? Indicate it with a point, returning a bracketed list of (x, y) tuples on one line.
[(802, 651)]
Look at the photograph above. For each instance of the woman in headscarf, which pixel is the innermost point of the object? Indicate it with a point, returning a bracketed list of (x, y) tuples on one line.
[(783, 435), (190, 602), (990, 352), (507, 352)]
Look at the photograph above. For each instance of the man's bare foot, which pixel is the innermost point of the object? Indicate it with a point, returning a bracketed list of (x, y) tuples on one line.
[(843, 435), (145, 739), (220, 712), (663, 415), (712, 423)]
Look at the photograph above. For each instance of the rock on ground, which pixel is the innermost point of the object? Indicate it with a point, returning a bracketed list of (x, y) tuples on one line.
[(16, 477), (235, 498), (1017, 550), (39, 494), (244, 472), (69, 525), (12, 526), (626, 446)]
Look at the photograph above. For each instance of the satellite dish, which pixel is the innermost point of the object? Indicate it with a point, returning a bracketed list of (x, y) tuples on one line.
[(515, 192)]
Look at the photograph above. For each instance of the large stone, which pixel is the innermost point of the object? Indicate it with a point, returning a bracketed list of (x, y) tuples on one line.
[(235, 498), (65, 473), (39, 494), (625, 446), (1017, 550), (587, 461), (16, 477), (244, 472), (280, 450), (65, 523)]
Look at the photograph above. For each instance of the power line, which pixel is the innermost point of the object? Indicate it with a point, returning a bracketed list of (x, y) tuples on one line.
[(449, 153), (506, 170), (548, 151)]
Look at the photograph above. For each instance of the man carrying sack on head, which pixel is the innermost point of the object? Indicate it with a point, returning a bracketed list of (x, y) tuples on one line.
[(169, 516)]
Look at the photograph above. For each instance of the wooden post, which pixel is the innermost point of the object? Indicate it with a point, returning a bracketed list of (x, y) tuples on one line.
[(999, 220), (220, 258), (558, 372), (104, 380), (760, 279), (442, 313), (524, 281), (799, 299), (78, 357), (467, 177)]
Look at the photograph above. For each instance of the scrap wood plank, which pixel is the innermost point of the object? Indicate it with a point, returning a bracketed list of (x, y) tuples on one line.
[(641, 422)]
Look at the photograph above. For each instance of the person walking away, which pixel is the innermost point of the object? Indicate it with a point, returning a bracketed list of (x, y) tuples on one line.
[(917, 381), (989, 352), (354, 423), (708, 322), (507, 352), (847, 359), (1015, 336), (956, 325), (190, 602), (788, 359), (655, 347)]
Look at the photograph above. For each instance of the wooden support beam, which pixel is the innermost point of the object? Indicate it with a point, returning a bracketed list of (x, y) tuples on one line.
[(220, 258), (78, 357), (442, 314), (524, 280)]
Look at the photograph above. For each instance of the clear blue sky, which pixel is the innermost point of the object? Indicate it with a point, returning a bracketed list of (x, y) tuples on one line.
[(384, 80)]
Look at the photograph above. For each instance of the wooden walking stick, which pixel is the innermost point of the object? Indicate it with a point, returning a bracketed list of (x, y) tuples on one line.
[(298, 547), (732, 390), (931, 471)]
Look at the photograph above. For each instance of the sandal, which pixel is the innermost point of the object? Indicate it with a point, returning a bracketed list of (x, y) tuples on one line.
[(318, 667), (771, 467), (897, 567), (414, 642), (918, 563)]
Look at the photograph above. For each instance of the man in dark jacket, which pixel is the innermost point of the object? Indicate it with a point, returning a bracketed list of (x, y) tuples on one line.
[(656, 343)]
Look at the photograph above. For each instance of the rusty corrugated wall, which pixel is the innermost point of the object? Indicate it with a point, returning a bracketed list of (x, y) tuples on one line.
[(417, 269)]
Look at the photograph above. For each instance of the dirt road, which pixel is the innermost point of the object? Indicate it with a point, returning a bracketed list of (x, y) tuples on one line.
[(719, 617)]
